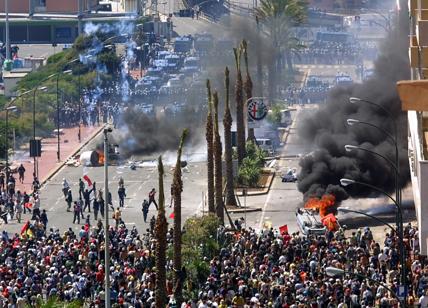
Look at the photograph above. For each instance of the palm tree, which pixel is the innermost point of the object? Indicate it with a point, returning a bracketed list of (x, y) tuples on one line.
[(177, 188), (278, 18), (240, 125), (227, 125), (259, 63), (218, 164), (161, 228), (210, 154), (248, 86)]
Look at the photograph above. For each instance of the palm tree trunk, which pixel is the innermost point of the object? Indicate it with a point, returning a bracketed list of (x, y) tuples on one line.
[(248, 86), (177, 188), (259, 63), (271, 80), (240, 125), (218, 164), (210, 154), (227, 124), (161, 229)]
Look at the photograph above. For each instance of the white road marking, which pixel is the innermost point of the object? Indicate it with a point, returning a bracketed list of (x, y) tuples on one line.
[(264, 209)]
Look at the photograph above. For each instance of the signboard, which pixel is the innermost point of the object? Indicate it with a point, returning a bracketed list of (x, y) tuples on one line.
[(257, 110)]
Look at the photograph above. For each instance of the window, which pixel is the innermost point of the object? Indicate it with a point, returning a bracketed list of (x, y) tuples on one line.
[(62, 32)]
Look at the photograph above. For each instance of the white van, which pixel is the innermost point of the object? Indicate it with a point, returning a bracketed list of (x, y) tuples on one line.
[(309, 223), (266, 145)]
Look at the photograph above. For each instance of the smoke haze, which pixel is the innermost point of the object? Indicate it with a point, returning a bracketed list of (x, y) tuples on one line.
[(327, 129)]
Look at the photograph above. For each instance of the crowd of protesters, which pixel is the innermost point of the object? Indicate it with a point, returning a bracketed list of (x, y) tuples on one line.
[(253, 268)]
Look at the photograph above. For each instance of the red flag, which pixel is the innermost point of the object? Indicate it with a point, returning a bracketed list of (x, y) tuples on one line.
[(28, 205), (172, 215), (25, 227), (88, 180), (16, 242), (283, 229), (86, 228)]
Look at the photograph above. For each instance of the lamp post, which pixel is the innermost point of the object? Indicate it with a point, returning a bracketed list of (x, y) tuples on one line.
[(356, 100), (6, 8), (334, 272), (383, 222), (393, 139), (36, 167), (346, 182), (106, 229), (7, 109), (57, 75)]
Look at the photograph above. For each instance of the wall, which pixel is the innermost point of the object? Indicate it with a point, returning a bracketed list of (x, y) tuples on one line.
[(15, 6), (62, 6)]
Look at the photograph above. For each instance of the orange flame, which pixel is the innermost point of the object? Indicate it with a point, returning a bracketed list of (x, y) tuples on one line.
[(100, 157), (323, 206)]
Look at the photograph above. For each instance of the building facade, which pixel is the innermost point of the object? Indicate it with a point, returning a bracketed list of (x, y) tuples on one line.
[(47, 6), (413, 94)]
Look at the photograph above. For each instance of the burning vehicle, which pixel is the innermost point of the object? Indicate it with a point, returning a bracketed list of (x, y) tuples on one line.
[(325, 209), (96, 158)]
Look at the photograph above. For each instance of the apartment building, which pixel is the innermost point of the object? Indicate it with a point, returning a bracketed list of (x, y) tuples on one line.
[(414, 97)]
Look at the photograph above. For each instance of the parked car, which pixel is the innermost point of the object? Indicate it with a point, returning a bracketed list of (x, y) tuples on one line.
[(290, 175)]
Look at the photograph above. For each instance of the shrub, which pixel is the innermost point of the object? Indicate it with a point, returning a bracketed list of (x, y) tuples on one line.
[(199, 246)]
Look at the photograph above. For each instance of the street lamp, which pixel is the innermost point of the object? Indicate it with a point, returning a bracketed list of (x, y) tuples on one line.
[(393, 139), (357, 100), (383, 222), (346, 182), (35, 167), (332, 271), (106, 229), (7, 109), (57, 75), (350, 148)]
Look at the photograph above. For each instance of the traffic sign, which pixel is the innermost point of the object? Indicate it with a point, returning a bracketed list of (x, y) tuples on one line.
[(257, 110)]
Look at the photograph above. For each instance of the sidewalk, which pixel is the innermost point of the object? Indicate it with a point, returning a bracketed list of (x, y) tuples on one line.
[(69, 143)]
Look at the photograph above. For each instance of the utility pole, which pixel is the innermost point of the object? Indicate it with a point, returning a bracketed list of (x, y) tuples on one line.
[(106, 226), (6, 8)]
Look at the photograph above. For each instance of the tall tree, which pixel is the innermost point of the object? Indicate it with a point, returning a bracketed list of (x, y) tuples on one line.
[(218, 164), (278, 18), (227, 125), (161, 228), (210, 154), (239, 99), (259, 62), (248, 87), (177, 188)]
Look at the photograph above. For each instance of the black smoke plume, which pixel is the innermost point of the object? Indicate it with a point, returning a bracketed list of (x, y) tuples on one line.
[(327, 129), (143, 134)]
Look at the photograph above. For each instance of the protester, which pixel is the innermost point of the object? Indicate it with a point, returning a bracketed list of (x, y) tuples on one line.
[(152, 195), (145, 209), (21, 172)]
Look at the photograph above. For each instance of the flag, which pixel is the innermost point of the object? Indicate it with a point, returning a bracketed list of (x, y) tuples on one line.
[(86, 228), (16, 243), (172, 215), (283, 229), (29, 233), (88, 180), (28, 205), (25, 227)]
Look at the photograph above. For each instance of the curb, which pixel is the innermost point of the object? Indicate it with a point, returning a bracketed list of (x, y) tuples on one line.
[(264, 191), (244, 210), (59, 167)]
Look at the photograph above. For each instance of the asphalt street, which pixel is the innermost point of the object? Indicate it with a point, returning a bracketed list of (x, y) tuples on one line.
[(138, 183), (279, 205)]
